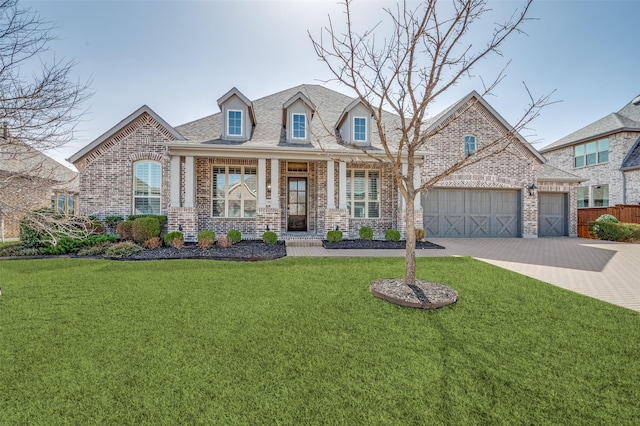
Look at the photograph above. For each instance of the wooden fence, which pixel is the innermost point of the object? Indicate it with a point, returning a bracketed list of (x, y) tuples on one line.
[(628, 213)]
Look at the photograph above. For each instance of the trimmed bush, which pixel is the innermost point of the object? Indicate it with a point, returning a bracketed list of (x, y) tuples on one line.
[(607, 218), (270, 237), (615, 231), (366, 233), (206, 238), (125, 230), (112, 221), (169, 239), (392, 235), (121, 249), (421, 234), (152, 243), (234, 235), (162, 219), (334, 236), (223, 242), (145, 228)]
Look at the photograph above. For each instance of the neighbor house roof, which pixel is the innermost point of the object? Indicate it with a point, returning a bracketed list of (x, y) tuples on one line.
[(627, 119), (632, 159), (548, 173)]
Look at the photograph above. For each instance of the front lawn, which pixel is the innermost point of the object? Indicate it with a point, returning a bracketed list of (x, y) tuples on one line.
[(301, 341)]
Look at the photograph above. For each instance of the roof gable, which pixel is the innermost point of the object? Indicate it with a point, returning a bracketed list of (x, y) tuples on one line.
[(235, 92), (120, 126), (632, 159)]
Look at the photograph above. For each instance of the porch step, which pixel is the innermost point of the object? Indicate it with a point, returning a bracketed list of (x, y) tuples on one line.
[(304, 243)]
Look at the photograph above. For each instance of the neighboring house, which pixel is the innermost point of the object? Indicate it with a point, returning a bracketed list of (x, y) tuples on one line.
[(287, 163), (30, 179), (606, 154)]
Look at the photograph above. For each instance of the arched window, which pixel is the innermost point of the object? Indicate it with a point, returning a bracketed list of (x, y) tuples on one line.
[(469, 145), (147, 185)]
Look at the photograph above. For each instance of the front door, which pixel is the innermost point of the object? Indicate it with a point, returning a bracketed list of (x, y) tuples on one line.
[(297, 204)]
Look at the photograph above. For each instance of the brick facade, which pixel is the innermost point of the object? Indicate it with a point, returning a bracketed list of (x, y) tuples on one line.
[(20, 196)]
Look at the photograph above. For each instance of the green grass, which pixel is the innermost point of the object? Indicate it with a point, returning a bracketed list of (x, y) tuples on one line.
[(301, 341)]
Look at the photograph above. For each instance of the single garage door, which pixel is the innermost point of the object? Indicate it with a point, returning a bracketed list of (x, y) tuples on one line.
[(472, 213), (552, 215)]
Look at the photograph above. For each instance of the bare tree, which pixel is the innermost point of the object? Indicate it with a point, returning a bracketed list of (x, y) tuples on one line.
[(38, 109), (428, 52)]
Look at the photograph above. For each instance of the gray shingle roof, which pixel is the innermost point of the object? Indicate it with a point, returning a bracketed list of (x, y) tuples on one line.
[(547, 173), (627, 119), (632, 160)]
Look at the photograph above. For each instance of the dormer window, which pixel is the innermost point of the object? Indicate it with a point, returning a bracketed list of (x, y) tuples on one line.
[(234, 123), (299, 129), (469, 145), (359, 129)]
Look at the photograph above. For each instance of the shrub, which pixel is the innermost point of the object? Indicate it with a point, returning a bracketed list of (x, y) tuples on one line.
[(334, 236), (125, 230), (171, 236), (177, 243), (421, 234), (392, 235), (234, 235), (112, 221), (615, 231), (607, 218), (206, 238), (152, 243), (145, 228), (101, 239), (366, 233), (96, 227), (65, 245), (121, 249), (162, 219), (270, 237), (223, 242), (16, 249), (29, 237)]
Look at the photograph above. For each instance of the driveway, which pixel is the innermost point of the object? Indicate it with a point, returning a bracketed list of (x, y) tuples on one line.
[(600, 269)]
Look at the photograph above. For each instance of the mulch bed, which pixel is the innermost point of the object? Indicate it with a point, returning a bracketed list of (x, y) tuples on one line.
[(377, 244), (421, 295), (246, 250)]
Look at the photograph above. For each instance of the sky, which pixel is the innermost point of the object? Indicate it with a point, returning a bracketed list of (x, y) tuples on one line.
[(179, 57)]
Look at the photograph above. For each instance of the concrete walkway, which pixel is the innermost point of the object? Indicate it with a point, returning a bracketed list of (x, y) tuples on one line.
[(600, 269)]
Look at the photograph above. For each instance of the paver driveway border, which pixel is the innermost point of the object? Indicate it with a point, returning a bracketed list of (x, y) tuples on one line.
[(603, 270)]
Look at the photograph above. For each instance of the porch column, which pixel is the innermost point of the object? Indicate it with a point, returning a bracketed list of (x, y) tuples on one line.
[(275, 186), (189, 182), (331, 189), (262, 183), (342, 184), (174, 185)]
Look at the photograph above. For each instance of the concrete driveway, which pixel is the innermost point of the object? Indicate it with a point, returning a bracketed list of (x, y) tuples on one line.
[(600, 269)]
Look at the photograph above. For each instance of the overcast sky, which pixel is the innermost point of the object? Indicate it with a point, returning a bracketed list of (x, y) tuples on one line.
[(179, 57)]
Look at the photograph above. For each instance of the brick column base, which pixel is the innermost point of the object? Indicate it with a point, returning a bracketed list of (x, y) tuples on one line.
[(417, 221), (185, 218), (268, 217), (336, 217)]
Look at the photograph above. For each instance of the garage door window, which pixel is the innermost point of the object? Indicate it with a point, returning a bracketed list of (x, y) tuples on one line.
[(363, 193)]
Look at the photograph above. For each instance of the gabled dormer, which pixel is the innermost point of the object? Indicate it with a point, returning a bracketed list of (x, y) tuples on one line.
[(354, 124), (297, 114), (238, 119)]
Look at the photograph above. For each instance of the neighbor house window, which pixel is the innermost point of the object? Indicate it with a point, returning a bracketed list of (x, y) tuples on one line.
[(299, 126), (359, 129), (583, 196), (63, 203), (234, 123), (469, 145), (600, 195), (234, 191), (147, 179), (363, 193), (590, 153)]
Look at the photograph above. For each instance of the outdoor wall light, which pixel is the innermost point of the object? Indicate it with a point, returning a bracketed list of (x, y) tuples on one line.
[(180, 228), (268, 185), (532, 189), (267, 227), (337, 227)]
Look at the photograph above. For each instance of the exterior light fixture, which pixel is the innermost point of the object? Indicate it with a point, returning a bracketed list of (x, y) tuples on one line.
[(337, 227), (180, 228), (268, 185), (532, 189), (267, 227)]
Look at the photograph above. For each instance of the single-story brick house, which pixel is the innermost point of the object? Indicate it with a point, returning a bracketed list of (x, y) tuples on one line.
[(606, 154), (286, 162)]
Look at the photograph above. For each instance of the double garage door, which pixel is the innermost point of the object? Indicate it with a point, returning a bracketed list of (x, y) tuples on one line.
[(472, 213)]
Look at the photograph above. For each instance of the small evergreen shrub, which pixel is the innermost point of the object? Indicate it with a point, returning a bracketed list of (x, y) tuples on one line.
[(17, 249), (421, 234), (112, 221), (206, 238), (65, 245), (162, 219), (607, 218), (121, 249), (96, 227), (171, 236), (152, 243), (223, 242), (366, 233), (234, 235), (270, 237), (615, 231), (125, 230), (95, 250), (392, 235), (94, 240), (145, 228), (334, 236)]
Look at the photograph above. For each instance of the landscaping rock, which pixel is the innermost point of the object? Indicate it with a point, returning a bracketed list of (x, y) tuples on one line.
[(422, 295)]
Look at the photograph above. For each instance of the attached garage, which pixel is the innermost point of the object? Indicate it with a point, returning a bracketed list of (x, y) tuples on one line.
[(553, 219), (472, 213)]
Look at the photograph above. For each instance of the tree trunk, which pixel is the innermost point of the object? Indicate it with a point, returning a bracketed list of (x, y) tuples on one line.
[(410, 250)]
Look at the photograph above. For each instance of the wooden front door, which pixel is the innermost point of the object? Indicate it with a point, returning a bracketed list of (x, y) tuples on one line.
[(297, 204)]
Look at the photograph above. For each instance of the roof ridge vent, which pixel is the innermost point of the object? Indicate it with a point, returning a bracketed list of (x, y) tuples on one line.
[(636, 101)]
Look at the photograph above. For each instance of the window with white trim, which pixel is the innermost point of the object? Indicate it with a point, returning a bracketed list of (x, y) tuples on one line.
[(147, 182), (469, 145), (600, 195), (590, 153), (234, 191), (359, 129), (234, 122), (299, 128), (363, 193), (583, 196)]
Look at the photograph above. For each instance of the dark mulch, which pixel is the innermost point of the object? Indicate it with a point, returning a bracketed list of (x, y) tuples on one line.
[(246, 250), (377, 244)]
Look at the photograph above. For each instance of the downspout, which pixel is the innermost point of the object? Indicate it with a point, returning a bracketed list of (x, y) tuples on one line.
[(624, 187)]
